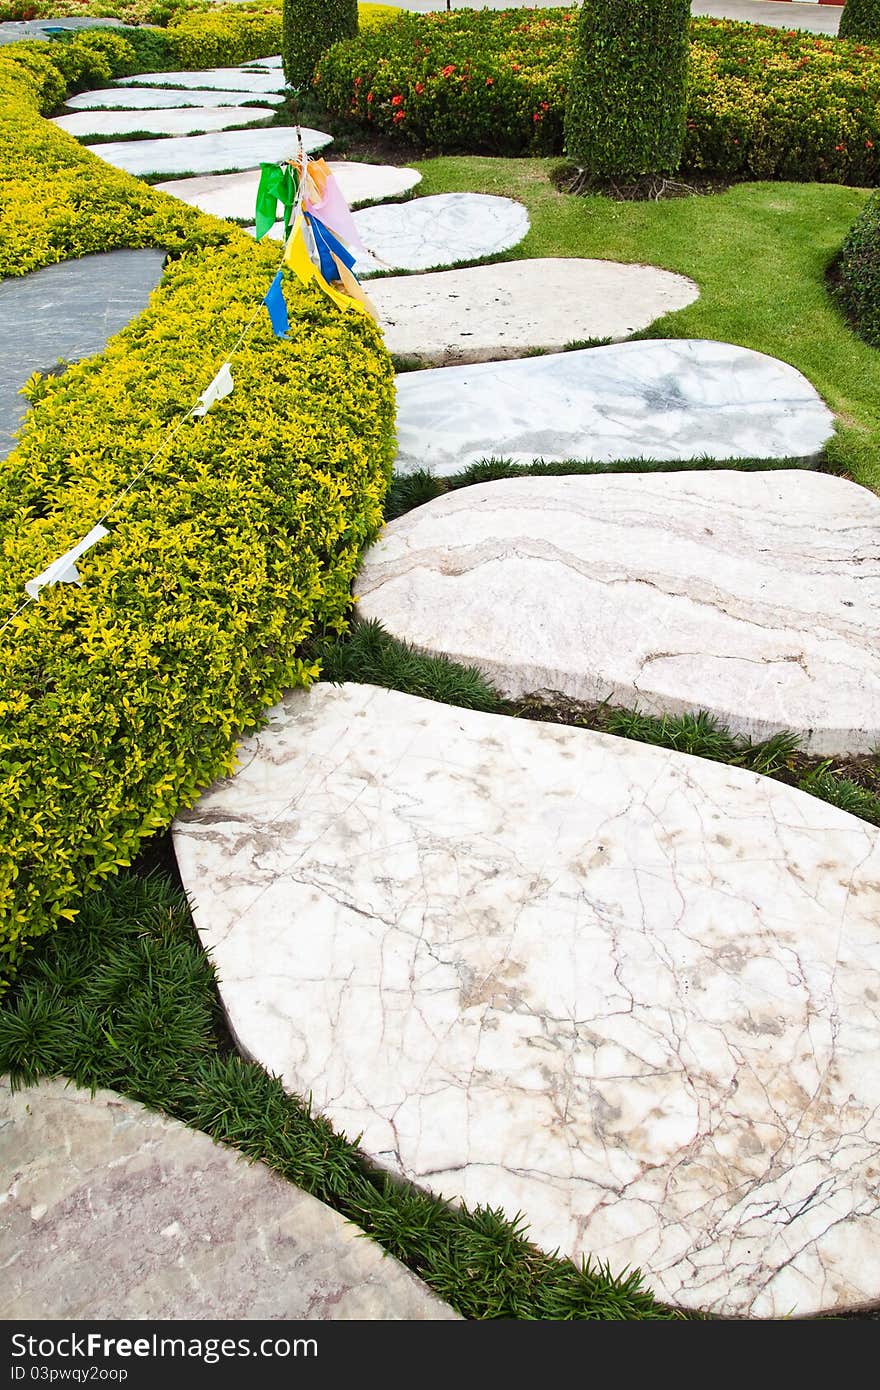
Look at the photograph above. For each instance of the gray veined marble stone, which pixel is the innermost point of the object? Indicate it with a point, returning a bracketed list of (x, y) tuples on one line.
[(224, 79), (209, 154), (489, 312), (629, 993), (661, 399), (112, 1211), (170, 121), (66, 312), (159, 98), (438, 231), (754, 596), (234, 195)]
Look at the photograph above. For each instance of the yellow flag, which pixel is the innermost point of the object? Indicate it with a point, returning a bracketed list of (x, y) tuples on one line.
[(353, 289), (297, 259)]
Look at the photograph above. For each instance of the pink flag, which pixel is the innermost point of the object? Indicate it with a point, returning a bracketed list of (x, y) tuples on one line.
[(335, 213)]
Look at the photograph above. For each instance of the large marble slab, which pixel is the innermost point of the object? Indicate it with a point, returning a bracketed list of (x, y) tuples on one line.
[(239, 79), (754, 596), (489, 312), (167, 121), (158, 98), (234, 195), (662, 399), (65, 312), (112, 1211), (629, 993), (438, 231), (209, 154)]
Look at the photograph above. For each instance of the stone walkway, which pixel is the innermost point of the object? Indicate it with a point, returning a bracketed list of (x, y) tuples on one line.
[(618, 989), (113, 1211)]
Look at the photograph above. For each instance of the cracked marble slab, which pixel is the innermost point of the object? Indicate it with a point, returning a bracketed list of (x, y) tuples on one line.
[(438, 231), (490, 312), (112, 1211), (160, 98), (171, 121), (754, 596), (662, 399), (234, 195), (224, 79), (208, 154), (629, 993)]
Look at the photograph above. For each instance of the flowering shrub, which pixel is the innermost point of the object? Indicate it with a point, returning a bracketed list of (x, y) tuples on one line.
[(762, 103), (859, 273)]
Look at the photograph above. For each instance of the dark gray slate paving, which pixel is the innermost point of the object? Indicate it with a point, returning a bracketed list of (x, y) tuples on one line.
[(66, 312)]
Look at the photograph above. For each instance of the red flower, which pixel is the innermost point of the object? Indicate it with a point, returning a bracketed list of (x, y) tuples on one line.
[(398, 116), (489, 81), (869, 144), (448, 70), (419, 88), (840, 147), (397, 101), (369, 96), (358, 81), (537, 116)]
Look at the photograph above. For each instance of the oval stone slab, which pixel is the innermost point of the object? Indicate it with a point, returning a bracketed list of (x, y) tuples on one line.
[(490, 312), (755, 596), (243, 79), (157, 98), (627, 992), (438, 231), (234, 195), (672, 398), (209, 154), (113, 1211), (172, 121)]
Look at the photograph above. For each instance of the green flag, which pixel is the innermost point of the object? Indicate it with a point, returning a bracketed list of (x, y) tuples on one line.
[(278, 184)]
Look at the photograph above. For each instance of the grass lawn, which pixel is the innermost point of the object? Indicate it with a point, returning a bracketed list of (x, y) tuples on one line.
[(758, 253)]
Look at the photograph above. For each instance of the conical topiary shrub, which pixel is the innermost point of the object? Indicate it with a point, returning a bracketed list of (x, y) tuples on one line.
[(861, 20), (309, 28), (625, 114)]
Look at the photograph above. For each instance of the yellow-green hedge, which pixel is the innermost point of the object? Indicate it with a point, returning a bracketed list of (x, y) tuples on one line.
[(119, 700)]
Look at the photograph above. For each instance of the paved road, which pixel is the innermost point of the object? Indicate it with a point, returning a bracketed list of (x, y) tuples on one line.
[(819, 19)]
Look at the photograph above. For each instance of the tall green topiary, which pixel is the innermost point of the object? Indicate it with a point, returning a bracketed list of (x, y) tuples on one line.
[(625, 114), (861, 20), (310, 27), (859, 273)]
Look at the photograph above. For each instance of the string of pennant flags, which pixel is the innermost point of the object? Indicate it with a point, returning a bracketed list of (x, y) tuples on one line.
[(320, 241)]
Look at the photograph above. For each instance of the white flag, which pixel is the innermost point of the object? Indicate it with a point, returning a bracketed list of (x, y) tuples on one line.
[(220, 387), (64, 570)]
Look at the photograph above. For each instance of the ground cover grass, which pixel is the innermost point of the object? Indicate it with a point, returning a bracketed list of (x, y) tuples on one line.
[(759, 253)]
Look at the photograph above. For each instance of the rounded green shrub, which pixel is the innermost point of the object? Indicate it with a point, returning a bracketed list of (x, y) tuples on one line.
[(859, 273), (860, 20), (625, 114), (309, 28)]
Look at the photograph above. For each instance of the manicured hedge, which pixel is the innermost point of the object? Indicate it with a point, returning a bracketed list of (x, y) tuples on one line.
[(310, 27), (119, 700), (762, 103), (625, 113), (859, 273), (861, 20)]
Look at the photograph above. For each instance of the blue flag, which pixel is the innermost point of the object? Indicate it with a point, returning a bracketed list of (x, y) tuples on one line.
[(329, 245), (275, 303)]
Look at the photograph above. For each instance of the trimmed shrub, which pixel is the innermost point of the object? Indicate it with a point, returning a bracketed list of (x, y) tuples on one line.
[(625, 113), (310, 27), (859, 273), (860, 20), (119, 700), (762, 103)]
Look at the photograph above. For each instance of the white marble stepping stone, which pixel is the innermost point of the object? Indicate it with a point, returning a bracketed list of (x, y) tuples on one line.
[(439, 231), (234, 195), (113, 1211), (661, 399), (495, 311), (224, 79), (172, 121), (159, 98), (272, 63), (754, 596), (208, 154), (629, 993)]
